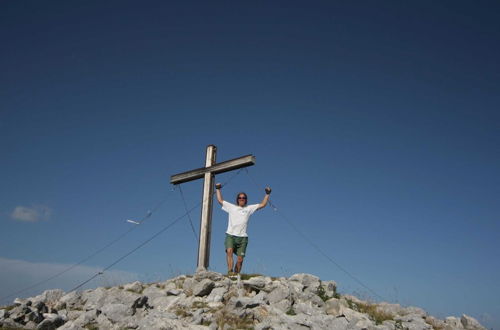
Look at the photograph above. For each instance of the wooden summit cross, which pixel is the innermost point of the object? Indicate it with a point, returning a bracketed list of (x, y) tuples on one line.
[(208, 172)]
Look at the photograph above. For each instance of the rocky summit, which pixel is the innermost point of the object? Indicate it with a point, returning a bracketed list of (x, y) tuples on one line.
[(209, 300)]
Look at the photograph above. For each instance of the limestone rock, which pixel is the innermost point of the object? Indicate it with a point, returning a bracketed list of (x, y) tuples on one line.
[(471, 323), (50, 323), (453, 322), (335, 307), (134, 287), (203, 288), (209, 299), (116, 312)]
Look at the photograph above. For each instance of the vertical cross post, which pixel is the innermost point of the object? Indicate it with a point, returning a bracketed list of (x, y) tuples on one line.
[(206, 212)]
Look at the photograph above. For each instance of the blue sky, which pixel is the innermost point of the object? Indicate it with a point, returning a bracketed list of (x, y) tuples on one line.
[(376, 125)]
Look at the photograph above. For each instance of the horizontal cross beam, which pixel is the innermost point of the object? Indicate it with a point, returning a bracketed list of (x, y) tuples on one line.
[(222, 167)]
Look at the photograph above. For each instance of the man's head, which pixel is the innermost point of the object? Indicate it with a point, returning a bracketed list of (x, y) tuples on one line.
[(241, 199)]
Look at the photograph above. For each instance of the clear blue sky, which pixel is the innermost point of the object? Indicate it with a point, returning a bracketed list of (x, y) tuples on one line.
[(375, 123)]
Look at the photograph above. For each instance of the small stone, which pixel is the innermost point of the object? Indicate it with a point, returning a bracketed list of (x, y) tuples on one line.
[(35, 317), (173, 292), (134, 287), (203, 288), (50, 324), (470, 323), (41, 307)]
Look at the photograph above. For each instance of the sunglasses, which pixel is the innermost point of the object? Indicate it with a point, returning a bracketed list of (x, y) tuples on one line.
[(242, 198)]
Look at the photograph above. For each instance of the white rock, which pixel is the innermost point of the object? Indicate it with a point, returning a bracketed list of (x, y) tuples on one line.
[(189, 284), (330, 287), (335, 307), (217, 294), (278, 294), (258, 282), (310, 282), (470, 323), (453, 322), (116, 312), (153, 291), (164, 303), (70, 326), (70, 300), (50, 316), (134, 287), (203, 288), (104, 322), (304, 308)]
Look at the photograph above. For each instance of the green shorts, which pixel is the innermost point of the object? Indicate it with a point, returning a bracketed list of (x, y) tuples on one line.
[(237, 243)]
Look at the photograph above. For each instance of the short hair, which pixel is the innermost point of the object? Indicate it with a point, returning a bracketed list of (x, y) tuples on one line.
[(238, 195)]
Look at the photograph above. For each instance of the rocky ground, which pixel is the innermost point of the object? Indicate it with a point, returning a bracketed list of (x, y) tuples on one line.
[(212, 300)]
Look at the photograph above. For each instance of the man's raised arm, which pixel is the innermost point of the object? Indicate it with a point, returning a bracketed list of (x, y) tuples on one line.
[(266, 198), (218, 186)]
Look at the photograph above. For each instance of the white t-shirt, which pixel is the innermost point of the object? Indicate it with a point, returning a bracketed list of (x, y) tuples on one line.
[(238, 218)]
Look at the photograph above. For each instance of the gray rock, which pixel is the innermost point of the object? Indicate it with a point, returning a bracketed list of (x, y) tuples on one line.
[(311, 297), (70, 300), (30, 325), (470, 323), (389, 324), (104, 322), (157, 320), (278, 294), (141, 302), (339, 323), (283, 305), (153, 291), (392, 309), (50, 323), (3, 313), (18, 313), (245, 302), (50, 316), (414, 310), (258, 282), (306, 308), (70, 326), (20, 301), (310, 282), (86, 318), (73, 315), (213, 276), (8, 323), (35, 317), (173, 292), (116, 312), (453, 322), (134, 287), (164, 303), (203, 288), (188, 285), (41, 307), (49, 297), (335, 307), (217, 294)]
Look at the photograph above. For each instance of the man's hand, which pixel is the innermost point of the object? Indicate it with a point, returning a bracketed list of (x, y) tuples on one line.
[(219, 194), (268, 190)]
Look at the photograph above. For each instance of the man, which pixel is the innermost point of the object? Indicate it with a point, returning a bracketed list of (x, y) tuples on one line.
[(236, 234)]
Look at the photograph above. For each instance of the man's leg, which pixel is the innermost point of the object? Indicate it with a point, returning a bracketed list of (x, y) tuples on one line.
[(239, 264), (229, 258), (229, 245)]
